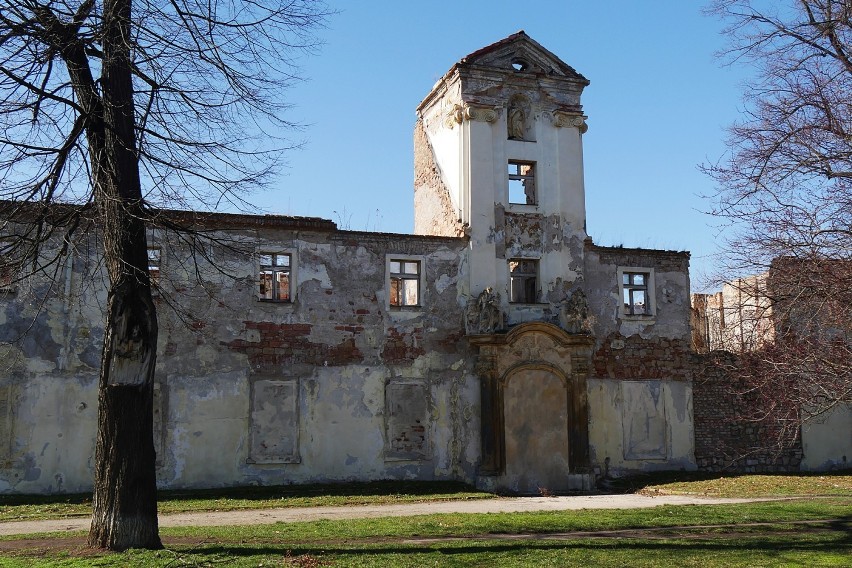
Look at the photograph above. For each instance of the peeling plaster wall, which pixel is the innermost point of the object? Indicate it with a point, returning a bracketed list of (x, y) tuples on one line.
[(641, 425), (329, 355), (824, 444), (336, 385), (640, 396), (670, 270), (49, 358), (435, 212)]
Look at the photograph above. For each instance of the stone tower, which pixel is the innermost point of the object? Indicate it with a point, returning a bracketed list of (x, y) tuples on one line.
[(499, 157)]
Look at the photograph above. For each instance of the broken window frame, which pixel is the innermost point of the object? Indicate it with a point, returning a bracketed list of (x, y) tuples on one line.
[(401, 278), (521, 180), (269, 276), (633, 281), (155, 263), (523, 280)]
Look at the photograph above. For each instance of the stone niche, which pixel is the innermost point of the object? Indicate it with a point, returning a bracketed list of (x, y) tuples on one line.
[(535, 435)]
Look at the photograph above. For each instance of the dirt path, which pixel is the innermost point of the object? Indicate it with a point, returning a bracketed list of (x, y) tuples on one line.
[(292, 515)]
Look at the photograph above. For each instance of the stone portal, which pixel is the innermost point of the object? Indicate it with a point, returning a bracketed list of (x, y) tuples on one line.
[(537, 421), (535, 432)]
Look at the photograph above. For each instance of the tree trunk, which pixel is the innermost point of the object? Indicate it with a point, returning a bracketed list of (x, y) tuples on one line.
[(125, 494), (124, 511)]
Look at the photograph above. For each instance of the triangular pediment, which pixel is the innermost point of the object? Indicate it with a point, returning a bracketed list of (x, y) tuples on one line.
[(519, 53)]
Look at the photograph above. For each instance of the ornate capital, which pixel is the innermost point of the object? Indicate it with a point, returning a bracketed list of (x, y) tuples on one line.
[(458, 113), (455, 115), (481, 113), (569, 120), (486, 366)]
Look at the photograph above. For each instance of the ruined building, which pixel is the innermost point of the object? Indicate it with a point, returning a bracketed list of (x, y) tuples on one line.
[(796, 413), (498, 345)]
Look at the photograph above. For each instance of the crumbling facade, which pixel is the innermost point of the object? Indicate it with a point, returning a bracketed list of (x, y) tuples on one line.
[(498, 345)]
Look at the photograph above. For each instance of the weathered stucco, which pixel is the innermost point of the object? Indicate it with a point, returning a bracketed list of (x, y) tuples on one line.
[(251, 391), (435, 213), (641, 425), (824, 445)]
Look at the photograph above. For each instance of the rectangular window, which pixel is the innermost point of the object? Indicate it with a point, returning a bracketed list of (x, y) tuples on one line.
[(274, 283), (634, 286), (154, 254), (404, 282), (523, 281), (522, 183)]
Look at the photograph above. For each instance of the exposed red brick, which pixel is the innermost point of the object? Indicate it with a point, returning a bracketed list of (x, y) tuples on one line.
[(643, 358), (288, 344), (403, 345)]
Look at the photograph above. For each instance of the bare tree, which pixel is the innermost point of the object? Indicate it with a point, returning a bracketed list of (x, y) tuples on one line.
[(111, 110), (785, 189)]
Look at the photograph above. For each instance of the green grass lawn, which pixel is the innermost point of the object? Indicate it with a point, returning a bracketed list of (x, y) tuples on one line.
[(754, 534), (813, 531), (740, 485), (32, 507)]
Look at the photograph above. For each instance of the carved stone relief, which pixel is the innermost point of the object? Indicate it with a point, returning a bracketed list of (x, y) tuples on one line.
[(575, 313), (519, 118), (484, 314)]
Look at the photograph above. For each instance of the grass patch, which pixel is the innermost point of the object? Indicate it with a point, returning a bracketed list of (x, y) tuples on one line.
[(36, 507), (677, 539), (836, 484)]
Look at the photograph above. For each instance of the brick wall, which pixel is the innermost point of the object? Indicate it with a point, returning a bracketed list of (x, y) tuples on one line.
[(726, 439), (633, 357)]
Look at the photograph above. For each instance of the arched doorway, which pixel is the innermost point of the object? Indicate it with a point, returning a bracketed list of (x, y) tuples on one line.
[(535, 435)]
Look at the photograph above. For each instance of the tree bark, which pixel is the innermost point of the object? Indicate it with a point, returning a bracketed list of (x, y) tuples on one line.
[(125, 492)]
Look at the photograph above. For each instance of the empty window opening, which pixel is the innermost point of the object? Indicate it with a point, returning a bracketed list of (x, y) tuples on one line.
[(635, 291), (154, 254), (522, 183), (520, 65), (404, 283), (274, 277), (523, 281)]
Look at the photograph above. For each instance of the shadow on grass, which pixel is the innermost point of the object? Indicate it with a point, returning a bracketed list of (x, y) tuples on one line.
[(836, 543), (355, 489)]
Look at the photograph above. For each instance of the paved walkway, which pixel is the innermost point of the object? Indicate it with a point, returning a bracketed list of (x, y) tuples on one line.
[(293, 515)]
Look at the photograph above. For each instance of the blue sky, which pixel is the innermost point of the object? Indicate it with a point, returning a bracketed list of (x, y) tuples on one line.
[(658, 103)]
